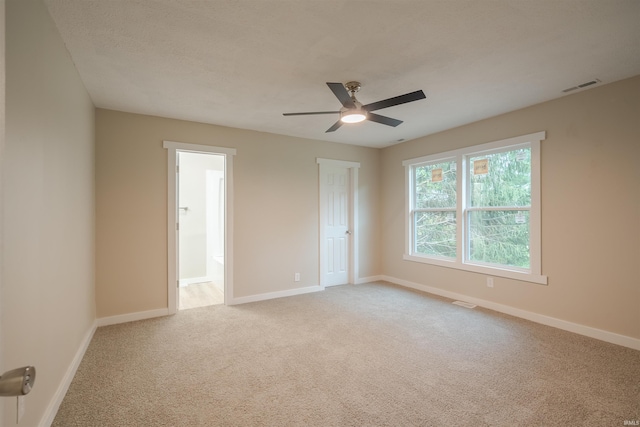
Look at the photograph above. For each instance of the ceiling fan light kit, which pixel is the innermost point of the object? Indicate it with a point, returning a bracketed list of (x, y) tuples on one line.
[(353, 116), (353, 111)]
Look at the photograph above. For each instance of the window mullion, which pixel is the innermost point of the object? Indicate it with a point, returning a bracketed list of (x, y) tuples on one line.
[(435, 210), (498, 208), (410, 206), (461, 200)]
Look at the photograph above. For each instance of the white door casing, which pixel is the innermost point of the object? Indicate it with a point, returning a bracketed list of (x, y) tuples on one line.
[(172, 218), (338, 208)]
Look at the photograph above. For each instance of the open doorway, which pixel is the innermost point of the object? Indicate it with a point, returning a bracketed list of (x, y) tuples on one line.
[(201, 208), (174, 149)]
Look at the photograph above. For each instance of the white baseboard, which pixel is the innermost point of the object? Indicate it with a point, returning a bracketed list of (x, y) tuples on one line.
[(192, 280), (369, 279), (298, 291), (132, 317), (577, 328), (272, 295), (58, 397)]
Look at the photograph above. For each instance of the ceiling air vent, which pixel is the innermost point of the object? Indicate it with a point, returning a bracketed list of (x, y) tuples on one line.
[(582, 85)]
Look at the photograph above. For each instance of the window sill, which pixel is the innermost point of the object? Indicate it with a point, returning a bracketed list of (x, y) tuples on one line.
[(489, 271)]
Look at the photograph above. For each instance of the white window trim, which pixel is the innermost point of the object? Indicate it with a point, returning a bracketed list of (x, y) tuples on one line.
[(534, 273)]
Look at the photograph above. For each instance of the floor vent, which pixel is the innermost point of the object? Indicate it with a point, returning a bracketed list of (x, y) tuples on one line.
[(464, 304)]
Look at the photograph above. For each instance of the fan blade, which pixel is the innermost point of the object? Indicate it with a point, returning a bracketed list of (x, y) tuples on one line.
[(335, 126), (396, 100), (383, 119), (341, 93), (310, 113)]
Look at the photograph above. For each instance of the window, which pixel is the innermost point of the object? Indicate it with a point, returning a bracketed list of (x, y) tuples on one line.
[(478, 208), (434, 218)]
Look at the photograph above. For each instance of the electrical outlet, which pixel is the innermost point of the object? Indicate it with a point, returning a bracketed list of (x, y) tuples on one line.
[(21, 408), (296, 277), (489, 282)]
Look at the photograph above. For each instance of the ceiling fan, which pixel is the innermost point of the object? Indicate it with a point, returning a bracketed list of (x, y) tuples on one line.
[(353, 111)]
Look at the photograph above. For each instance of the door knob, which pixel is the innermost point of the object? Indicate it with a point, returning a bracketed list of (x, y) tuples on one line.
[(347, 232), (17, 382)]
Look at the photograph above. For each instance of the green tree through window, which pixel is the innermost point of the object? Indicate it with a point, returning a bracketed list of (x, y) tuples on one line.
[(435, 213), (478, 208), (499, 234)]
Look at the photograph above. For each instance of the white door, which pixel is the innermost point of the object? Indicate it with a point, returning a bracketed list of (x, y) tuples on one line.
[(334, 224)]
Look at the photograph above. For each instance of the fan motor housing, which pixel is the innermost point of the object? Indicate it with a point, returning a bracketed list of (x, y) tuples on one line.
[(353, 86)]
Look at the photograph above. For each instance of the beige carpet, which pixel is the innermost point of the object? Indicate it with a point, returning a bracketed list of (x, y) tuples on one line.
[(366, 355)]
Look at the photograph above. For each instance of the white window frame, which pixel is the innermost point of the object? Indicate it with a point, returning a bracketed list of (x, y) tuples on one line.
[(534, 272)]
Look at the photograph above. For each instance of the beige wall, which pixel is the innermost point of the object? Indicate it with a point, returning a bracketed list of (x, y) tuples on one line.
[(48, 301), (590, 209), (275, 210), (2, 144)]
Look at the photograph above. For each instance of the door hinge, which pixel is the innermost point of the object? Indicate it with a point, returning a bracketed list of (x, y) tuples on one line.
[(177, 168), (177, 226)]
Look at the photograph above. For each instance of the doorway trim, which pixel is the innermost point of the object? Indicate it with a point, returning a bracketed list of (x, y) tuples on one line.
[(353, 168), (172, 217)]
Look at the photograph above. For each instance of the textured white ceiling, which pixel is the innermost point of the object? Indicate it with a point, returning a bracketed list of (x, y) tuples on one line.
[(243, 63)]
